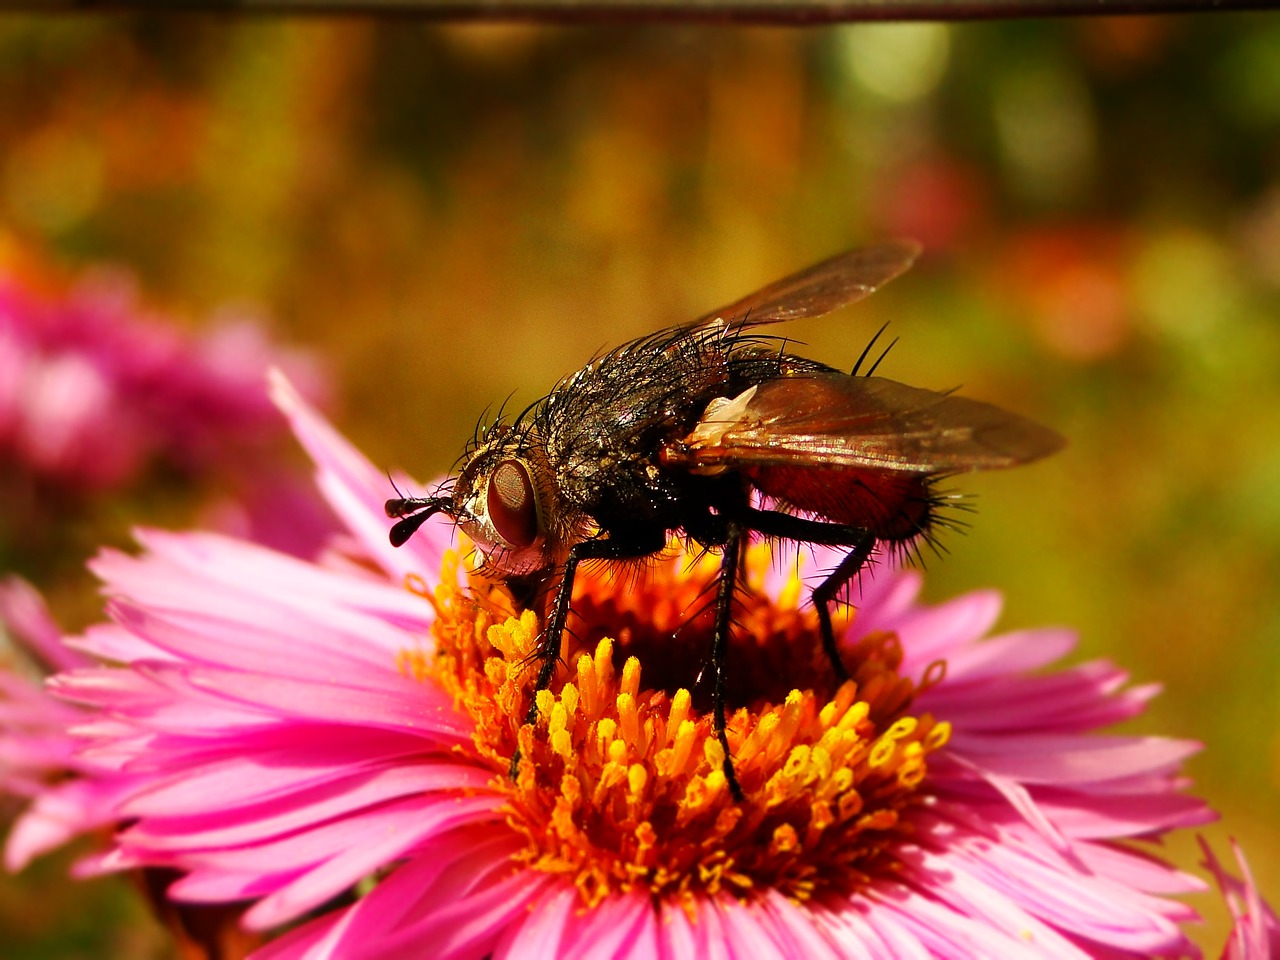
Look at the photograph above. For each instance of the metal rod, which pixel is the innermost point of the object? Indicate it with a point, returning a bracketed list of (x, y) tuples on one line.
[(796, 12)]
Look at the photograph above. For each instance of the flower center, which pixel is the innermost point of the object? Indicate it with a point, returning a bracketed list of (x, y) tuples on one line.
[(621, 784)]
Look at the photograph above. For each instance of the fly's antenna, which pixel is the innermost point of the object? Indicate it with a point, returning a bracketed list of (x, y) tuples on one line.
[(410, 513), (413, 512)]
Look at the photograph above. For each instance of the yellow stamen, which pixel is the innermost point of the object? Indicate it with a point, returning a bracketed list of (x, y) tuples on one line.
[(621, 783)]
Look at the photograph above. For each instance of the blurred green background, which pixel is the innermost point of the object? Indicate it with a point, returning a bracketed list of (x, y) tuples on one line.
[(453, 215)]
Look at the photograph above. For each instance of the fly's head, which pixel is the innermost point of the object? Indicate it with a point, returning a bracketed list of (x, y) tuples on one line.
[(504, 499)]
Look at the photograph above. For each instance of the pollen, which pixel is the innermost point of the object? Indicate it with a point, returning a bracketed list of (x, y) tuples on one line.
[(621, 783)]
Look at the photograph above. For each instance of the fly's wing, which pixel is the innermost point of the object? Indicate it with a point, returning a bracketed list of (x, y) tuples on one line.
[(835, 420), (844, 279)]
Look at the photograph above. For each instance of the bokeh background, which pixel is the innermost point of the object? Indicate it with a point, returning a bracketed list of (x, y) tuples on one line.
[(448, 216)]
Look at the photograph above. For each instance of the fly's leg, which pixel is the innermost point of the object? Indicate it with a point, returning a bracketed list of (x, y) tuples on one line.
[(717, 530), (729, 533), (790, 527), (730, 563), (824, 594), (548, 651)]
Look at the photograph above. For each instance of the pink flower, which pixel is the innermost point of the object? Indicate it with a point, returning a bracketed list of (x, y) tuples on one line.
[(91, 389), (38, 752), (1256, 934), (319, 741)]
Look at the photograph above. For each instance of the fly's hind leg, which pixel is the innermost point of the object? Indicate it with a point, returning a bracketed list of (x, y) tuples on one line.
[(730, 535), (862, 542), (825, 593)]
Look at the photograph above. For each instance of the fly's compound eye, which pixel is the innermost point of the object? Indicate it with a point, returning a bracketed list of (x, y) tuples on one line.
[(513, 506)]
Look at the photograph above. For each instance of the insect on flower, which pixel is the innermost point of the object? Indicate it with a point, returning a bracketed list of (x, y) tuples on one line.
[(714, 431)]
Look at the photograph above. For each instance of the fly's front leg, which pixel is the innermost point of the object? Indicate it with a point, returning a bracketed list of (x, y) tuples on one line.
[(548, 651), (730, 564)]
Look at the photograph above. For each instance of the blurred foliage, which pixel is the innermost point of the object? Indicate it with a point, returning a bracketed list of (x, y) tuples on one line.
[(458, 215)]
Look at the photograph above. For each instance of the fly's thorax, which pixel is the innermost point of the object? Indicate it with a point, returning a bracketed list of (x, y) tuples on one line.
[(721, 415), (507, 500)]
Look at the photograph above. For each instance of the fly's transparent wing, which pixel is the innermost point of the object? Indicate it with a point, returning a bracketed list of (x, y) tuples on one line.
[(843, 279), (833, 420)]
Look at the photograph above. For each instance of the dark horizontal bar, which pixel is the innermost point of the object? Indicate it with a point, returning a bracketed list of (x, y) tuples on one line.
[(689, 11)]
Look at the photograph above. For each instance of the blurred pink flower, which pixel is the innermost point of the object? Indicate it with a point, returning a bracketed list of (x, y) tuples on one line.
[(315, 739), (1069, 280), (935, 199), (38, 751), (92, 388), (278, 508), (1256, 934)]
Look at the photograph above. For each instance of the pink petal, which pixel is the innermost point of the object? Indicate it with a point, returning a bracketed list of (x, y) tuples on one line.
[(298, 810), (1007, 655), (542, 932), (621, 926), (453, 903), (375, 841), (1068, 759), (252, 645), (422, 709), (24, 612), (354, 488), (1256, 933), (795, 929)]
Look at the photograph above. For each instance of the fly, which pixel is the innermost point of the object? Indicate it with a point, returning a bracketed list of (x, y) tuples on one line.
[(713, 431)]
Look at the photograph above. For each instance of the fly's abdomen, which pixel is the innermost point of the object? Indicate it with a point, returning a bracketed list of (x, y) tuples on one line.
[(891, 505)]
